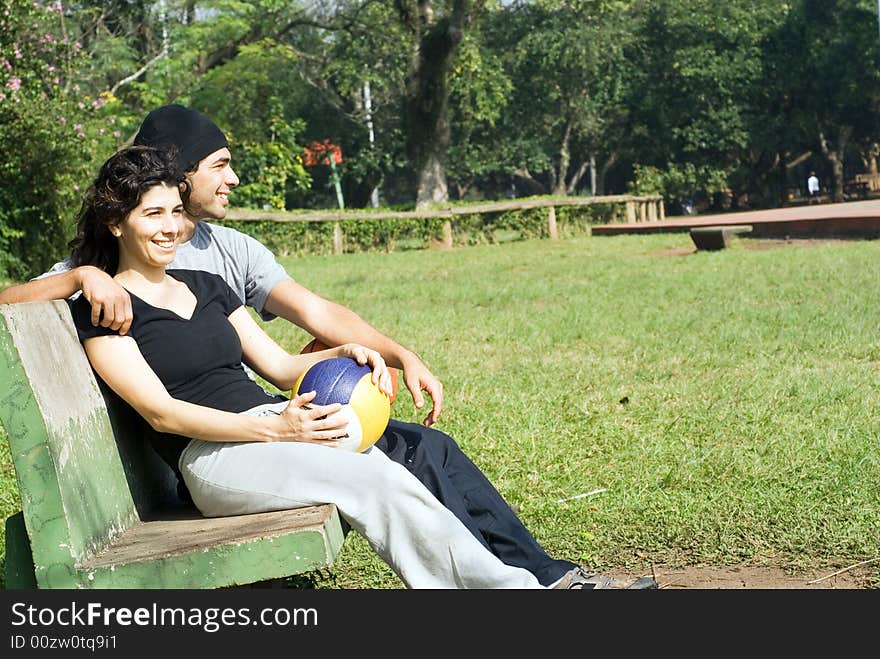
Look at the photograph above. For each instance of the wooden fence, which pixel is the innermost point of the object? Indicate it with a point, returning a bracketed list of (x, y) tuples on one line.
[(872, 179), (644, 208)]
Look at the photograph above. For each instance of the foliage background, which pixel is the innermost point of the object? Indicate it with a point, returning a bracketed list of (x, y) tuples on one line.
[(726, 104)]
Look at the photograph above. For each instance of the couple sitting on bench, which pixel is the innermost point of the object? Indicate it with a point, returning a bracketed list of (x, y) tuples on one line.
[(176, 357)]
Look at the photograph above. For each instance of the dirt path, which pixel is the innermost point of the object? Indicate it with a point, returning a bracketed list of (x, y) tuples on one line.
[(756, 578)]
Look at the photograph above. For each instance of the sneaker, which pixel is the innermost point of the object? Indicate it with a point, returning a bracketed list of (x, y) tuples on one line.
[(579, 579)]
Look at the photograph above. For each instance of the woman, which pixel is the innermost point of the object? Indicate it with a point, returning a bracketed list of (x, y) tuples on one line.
[(180, 367)]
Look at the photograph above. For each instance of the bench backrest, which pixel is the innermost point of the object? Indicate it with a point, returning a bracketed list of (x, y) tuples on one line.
[(84, 472)]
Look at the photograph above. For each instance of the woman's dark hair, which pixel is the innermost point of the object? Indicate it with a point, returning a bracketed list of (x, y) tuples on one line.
[(115, 192)]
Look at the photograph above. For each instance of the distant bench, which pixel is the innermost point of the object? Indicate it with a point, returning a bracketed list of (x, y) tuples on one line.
[(717, 237), (857, 188), (99, 508)]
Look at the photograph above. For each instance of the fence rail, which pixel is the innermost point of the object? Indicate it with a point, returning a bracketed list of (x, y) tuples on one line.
[(872, 179), (637, 208)]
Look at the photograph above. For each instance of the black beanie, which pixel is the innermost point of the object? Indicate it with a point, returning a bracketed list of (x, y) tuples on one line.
[(192, 134)]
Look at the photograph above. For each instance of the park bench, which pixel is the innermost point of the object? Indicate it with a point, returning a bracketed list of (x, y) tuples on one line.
[(857, 188), (99, 508), (717, 237)]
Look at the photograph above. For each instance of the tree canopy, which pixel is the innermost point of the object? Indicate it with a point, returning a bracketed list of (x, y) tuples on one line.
[(432, 101)]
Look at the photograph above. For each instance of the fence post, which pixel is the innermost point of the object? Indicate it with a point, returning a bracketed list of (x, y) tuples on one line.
[(652, 211), (661, 211), (630, 211), (447, 234), (337, 237), (551, 223)]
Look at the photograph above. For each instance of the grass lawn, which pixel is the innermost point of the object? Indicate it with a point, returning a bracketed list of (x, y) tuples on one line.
[(722, 408)]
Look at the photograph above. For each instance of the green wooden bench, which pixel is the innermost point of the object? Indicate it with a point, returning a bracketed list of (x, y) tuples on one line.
[(99, 508), (717, 237)]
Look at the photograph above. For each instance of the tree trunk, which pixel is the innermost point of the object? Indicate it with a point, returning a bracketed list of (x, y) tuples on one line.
[(836, 159), (593, 174), (610, 161), (559, 184), (834, 153), (189, 12), (427, 91), (575, 181), (781, 169), (431, 188)]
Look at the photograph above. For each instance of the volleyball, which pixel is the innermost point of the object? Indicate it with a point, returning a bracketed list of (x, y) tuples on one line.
[(342, 380), (315, 345)]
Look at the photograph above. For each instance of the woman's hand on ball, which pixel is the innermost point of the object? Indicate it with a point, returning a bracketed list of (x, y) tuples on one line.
[(363, 355), (319, 424)]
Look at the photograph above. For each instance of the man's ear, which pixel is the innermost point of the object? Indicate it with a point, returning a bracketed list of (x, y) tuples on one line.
[(185, 188)]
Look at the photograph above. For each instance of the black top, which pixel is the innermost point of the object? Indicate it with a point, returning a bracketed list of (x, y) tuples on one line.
[(197, 359)]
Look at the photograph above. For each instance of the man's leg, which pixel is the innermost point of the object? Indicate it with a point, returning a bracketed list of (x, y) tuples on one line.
[(437, 461)]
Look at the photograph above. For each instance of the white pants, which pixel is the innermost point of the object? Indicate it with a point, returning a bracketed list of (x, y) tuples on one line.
[(422, 541)]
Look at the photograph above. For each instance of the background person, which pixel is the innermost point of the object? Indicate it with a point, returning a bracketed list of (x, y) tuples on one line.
[(813, 188)]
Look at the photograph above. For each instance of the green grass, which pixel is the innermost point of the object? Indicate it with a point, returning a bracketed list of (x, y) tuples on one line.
[(727, 402)]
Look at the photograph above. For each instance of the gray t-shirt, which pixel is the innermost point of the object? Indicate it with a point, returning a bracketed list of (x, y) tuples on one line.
[(243, 262)]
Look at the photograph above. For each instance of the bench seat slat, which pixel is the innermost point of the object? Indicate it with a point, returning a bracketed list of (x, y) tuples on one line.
[(187, 532)]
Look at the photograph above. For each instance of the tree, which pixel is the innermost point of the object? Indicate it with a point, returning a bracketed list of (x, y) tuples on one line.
[(833, 78), (337, 48), (568, 64), (53, 133), (309, 61), (437, 29), (479, 91), (699, 65), (267, 137)]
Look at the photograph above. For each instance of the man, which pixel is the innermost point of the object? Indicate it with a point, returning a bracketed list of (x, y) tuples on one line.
[(813, 187), (253, 272)]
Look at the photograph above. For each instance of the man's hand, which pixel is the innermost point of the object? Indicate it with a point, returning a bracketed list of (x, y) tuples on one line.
[(418, 378), (111, 304), (363, 355), (332, 324)]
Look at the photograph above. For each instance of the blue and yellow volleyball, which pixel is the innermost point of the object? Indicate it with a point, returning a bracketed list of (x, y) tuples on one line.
[(315, 345), (342, 380)]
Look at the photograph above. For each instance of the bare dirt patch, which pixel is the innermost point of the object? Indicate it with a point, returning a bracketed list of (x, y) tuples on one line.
[(742, 577), (759, 244), (749, 244)]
